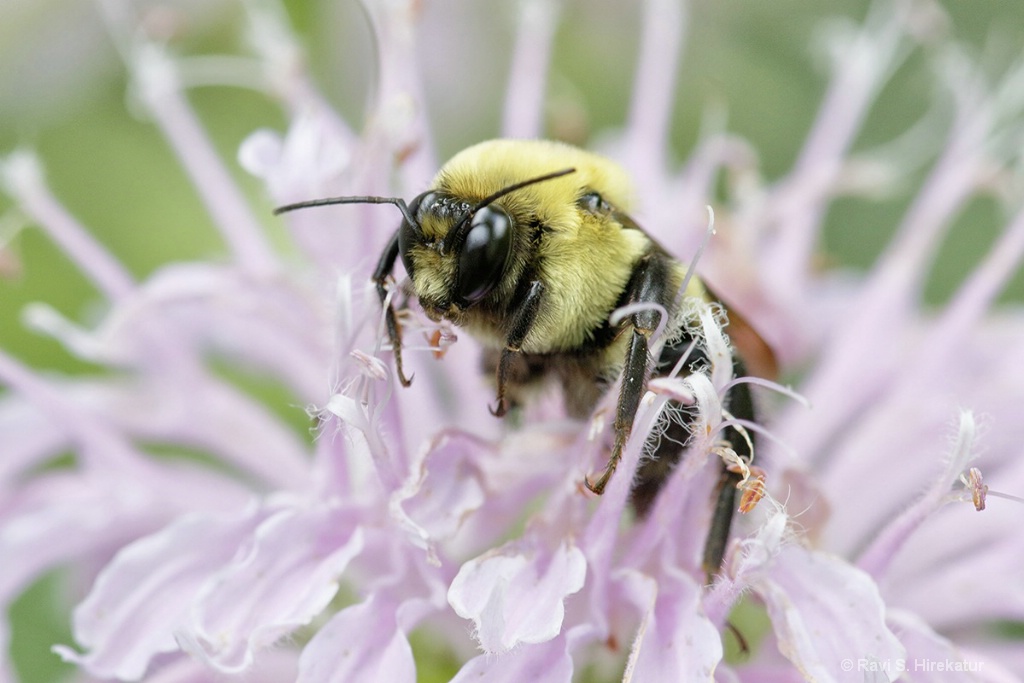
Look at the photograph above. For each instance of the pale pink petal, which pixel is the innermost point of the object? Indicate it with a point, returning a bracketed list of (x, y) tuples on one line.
[(271, 666), (25, 439), (288, 576), (1005, 654), (931, 658), (59, 518), (825, 611), (978, 552), (523, 116), (310, 157), (224, 422), (447, 488), (211, 307), (73, 515), (516, 596), (760, 673), (23, 177), (359, 643), (146, 592), (547, 662), (156, 75), (891, 538), (675, 640), (754, 556)]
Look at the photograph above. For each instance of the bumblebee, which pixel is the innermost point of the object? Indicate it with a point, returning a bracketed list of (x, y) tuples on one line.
[(527, 244)]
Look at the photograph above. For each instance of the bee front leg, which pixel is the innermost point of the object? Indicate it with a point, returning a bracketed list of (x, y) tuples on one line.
[(524, 316), (380, 276)]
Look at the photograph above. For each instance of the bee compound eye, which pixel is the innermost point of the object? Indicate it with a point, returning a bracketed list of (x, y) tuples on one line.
[(594, 203), (409, 234), (484, 254)]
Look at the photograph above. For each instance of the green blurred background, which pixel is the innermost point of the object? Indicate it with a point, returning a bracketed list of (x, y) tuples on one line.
[(63, 94)]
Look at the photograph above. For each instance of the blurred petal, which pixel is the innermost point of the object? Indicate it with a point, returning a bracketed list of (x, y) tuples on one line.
[(931, 658), (825, 612), (547, 662), (288, 576), (877, 558), (359, 643), (272, 666), (164, 572)]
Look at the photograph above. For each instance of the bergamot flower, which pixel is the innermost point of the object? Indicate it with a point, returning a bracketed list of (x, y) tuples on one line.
[(415, 517)]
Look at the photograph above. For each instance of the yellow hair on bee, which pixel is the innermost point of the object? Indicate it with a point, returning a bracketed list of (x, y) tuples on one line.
[(485, 168)]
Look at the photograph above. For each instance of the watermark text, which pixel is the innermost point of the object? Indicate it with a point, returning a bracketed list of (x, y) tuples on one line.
[(868, 665)]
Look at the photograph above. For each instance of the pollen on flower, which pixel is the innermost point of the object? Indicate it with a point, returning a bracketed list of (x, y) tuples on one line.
[(979, 491), (441, 339), (752, 482), (752, 490), (976, 485)]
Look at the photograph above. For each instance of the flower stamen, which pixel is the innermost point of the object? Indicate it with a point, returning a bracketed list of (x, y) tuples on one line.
[(974, 483)]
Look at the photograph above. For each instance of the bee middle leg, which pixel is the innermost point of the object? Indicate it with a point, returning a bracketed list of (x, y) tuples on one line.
[(634, 383), (648, 284)]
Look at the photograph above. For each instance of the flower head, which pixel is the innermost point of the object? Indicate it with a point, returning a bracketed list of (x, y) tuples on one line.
[(413, 511)]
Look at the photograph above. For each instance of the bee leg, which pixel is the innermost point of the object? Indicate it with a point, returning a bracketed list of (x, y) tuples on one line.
[(741, 406), (634, 381), (380, 276), (648, 284), (524, 316), (657, 465), (721, 522)]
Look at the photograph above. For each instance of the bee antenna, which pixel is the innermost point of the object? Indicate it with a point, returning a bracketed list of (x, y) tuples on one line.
[(520, 185), (329, 201), (464, 221)]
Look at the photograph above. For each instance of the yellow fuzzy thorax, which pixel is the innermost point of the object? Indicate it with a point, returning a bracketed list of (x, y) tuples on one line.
[(485, 168)]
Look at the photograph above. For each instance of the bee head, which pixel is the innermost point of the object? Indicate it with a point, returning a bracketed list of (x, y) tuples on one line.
[(454, 251)]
